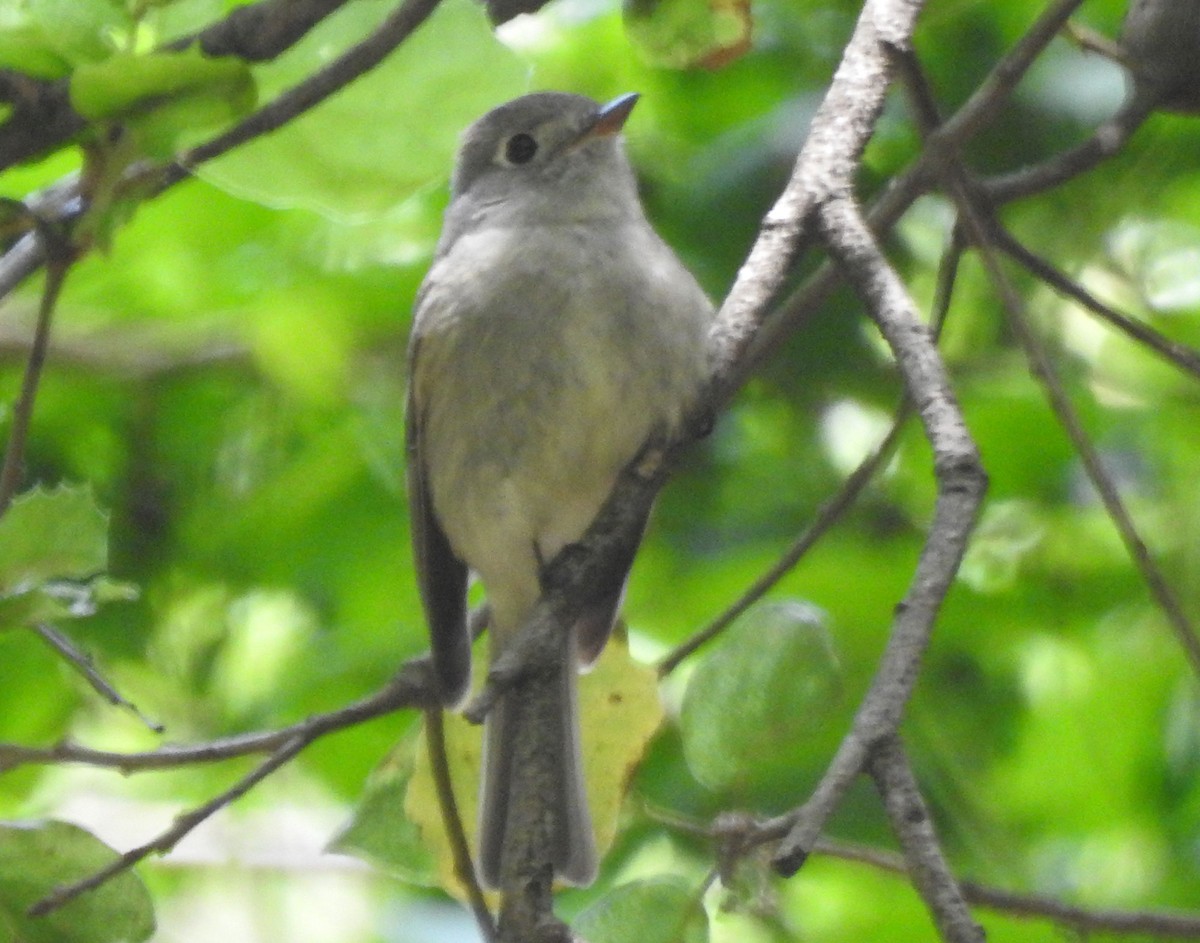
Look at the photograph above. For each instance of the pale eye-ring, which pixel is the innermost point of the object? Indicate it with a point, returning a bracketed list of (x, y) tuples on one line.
[(520, 148)]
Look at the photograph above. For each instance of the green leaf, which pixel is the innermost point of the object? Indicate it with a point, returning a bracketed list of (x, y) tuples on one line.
[(380, 832), (52, 533), (27, 49), (1008, 531), (681, 34), (761, 695), (388, 135), (652, 911), (130, 86), (37, 857), (1161, 260), (81, 31)]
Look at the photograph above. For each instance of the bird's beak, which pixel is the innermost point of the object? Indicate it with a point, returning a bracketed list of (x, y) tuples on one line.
[(610, 118)]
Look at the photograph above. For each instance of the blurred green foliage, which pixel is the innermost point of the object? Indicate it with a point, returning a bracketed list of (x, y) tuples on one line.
[(228, 381)]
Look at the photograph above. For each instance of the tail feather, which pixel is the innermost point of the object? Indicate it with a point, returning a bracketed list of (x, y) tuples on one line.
[(574, 850)]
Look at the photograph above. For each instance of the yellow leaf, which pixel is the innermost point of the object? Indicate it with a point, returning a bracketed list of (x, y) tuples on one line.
[(620, 711)]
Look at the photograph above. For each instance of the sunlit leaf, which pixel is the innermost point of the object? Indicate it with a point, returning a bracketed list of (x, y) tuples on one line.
[(163, 95), (50, 533), (1162, 258), (1007, 532), (27, 49)]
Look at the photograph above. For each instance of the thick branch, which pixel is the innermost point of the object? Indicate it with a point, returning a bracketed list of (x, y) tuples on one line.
[(826, 165), (259, 32), (42, 117)]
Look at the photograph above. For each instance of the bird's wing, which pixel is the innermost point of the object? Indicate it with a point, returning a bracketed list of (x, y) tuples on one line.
[(441, 576)]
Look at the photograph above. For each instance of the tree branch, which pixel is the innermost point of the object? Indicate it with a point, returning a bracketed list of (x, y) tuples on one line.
[(259, 32), (1178, 355), (1033, 906), (85, 666), (832, 510), (825, 166), (827, 515), (340, 72), (913, 825), (412, 687), (464, 866), (978, 221), (1106, 141), (979, 110), (961, 483), (172, 836), (43, 119), (28, 254)]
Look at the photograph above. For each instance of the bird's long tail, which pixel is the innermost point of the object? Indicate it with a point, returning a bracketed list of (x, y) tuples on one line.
[(510, 761)]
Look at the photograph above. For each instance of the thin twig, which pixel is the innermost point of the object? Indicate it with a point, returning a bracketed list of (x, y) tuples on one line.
[(829, 513), (1175, 925), (979, 223), (14, 452), (1180, 355), (1106, 141), (86, 667), (1043, 371), (412, 686), (340, 72), (464, 867), (172, 836), (913, 826)]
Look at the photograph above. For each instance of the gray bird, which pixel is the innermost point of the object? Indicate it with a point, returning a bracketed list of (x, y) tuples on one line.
[(554, 333)]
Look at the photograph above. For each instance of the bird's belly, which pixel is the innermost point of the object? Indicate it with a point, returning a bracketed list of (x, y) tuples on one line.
[(515, 478)]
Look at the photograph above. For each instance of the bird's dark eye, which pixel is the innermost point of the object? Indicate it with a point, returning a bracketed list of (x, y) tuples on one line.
[(520, 149)]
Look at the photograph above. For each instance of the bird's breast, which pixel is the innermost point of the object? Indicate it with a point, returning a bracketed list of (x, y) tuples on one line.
[(541, 375)]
